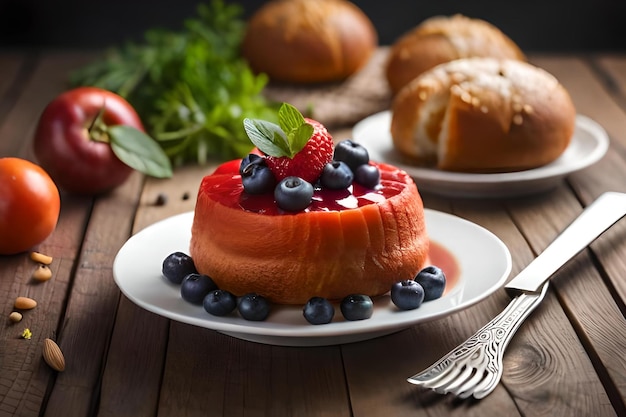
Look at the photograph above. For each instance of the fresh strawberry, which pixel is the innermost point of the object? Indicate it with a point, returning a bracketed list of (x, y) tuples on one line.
[(309, 162), (298, 147)]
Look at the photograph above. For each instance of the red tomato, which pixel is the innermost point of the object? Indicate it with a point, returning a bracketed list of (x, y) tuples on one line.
[(71, 143), (29, 205)]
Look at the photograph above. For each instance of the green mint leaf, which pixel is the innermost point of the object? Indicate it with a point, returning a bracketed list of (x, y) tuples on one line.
[(300, 137), (297, 129), (289, 118), (286, 139), (268, 137), (139, 151)]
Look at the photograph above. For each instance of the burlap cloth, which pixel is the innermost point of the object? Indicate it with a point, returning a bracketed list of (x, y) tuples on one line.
[(340, 105)]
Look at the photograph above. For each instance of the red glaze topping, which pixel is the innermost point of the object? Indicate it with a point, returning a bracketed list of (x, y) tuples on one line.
[(225, 186)]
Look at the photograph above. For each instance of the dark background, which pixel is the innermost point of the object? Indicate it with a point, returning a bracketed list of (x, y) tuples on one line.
[(536, 25)]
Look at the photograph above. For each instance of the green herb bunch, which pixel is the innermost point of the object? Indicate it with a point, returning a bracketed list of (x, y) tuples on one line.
[(191, 88)]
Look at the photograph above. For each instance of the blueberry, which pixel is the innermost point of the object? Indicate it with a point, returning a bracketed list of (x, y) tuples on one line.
[(258, 179), (254, 307), (256, 176), (433, 280), (336, 175), (195, 287), (352, 153), (250, 159), (367, 175), (293, 194), (318, 310), (219, 302), (177, 266), (357, 307), (407, 294)]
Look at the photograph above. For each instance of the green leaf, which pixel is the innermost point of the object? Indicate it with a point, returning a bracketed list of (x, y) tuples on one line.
[(297, 129), (289, 117), (186, 84), (139, 151), (285, 140), (268, 137), (300, 137)]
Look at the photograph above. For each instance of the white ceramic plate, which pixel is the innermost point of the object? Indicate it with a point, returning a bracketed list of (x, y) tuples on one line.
[(484, 263), (589, 144)]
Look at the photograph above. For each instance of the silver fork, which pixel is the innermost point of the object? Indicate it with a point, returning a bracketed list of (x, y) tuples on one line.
[(474, 368)]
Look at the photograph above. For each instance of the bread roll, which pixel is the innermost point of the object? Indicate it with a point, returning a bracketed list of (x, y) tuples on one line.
[(483, 115), (441, 39), (309, 41)]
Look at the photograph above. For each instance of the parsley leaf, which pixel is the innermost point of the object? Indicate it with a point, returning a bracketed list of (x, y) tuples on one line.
[(191, 88)]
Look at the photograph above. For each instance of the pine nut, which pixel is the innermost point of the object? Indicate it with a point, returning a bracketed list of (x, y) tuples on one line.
[(15, 317), (42, 273), (25, 303), (41, 258)]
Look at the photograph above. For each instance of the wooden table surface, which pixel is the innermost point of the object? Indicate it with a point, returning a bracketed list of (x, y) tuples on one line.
[(568, 359)]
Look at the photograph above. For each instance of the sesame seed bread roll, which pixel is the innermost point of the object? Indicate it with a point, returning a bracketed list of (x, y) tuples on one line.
[(483, 115), (441, 39), (309, 41)]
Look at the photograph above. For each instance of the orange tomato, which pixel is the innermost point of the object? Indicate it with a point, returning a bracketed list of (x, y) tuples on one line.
[(29, 205)]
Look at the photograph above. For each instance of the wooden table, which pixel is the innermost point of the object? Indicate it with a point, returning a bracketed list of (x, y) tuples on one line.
[(568, 359)]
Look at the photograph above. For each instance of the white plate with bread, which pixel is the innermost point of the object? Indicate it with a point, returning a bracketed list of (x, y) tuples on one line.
[(482, 265), (588, 145)]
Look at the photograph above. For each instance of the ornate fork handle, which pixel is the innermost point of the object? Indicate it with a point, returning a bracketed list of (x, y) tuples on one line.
[(483, 352)]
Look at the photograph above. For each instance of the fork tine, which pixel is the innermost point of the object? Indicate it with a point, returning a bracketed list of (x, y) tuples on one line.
[(486, 386), (467, 389), (467, 386), (444, 378), (465, 373)]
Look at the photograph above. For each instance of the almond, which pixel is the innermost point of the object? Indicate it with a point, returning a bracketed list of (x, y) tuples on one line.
[(53, 356), (25, 303)]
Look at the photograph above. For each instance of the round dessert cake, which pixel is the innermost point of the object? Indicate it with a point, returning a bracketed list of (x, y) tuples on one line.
[(356, 240)]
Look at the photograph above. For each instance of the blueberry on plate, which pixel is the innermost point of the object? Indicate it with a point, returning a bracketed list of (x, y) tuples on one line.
[(407, 294), (357, 307), (195, 287), (352, 153), (318, 310), (254, 307), (433, 280), (293, 194), (177, 266), (219, 302)]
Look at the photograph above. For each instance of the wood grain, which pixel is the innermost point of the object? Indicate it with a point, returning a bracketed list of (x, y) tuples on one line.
[(136, 331), (25, 379), (582, 297)]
